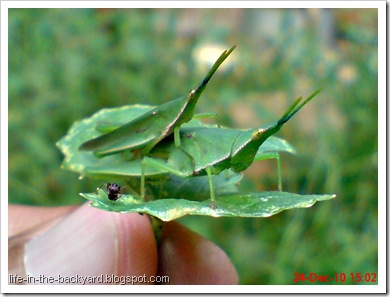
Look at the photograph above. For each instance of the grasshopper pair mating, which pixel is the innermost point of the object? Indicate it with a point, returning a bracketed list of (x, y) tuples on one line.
[(193, 151)]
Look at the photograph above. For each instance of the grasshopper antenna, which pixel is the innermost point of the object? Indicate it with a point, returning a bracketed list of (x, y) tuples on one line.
[(211, 72), (291, 111)]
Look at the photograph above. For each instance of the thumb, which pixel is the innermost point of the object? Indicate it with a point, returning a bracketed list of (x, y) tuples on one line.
[(91, 243)]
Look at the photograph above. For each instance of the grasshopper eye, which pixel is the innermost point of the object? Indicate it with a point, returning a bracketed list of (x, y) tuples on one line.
[(258, 134)]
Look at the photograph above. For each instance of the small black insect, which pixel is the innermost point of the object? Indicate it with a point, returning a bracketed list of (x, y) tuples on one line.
[(113, 191)]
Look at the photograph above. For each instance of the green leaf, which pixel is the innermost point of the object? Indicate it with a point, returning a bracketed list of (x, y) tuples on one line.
[(261, 204), (86, 129), (196, 188), (275, 144)]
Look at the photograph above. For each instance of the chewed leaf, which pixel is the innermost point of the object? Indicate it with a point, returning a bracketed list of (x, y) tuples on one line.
[(261, 204)]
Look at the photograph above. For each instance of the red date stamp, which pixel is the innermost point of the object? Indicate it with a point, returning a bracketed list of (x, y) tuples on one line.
[(353, 277)]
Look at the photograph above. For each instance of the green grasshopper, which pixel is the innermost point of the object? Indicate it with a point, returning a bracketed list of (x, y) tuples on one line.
[(144, 132), (126, 167), (208, 151)]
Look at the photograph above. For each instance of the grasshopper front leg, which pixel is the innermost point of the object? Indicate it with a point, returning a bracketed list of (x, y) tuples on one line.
[(158, 164), (208, 115), (212, 204), (273, 155), (142, 191), (176, 136), (169, 168)]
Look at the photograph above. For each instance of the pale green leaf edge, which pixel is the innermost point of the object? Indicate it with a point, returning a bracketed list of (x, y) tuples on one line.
[(260, 204)]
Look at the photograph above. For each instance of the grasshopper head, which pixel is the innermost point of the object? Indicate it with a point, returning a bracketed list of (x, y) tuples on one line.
[(245, 148)]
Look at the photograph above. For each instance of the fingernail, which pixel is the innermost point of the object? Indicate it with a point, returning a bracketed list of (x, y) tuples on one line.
[(79, 248)]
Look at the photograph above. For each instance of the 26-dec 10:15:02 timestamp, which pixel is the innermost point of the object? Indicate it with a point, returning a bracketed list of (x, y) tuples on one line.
[(354, 277)]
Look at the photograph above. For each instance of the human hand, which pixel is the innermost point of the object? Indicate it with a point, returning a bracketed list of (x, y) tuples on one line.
[(105, 247)]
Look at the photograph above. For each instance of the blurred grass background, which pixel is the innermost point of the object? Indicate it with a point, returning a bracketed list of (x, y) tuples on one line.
[(65, 64)]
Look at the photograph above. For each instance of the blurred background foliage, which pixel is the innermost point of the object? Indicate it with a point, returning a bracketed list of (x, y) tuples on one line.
[(65, 64)]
